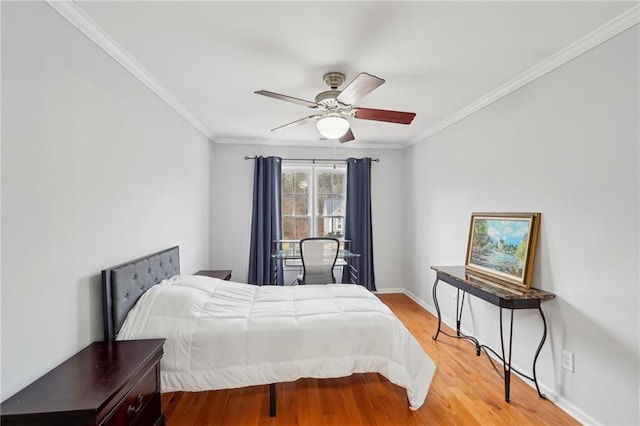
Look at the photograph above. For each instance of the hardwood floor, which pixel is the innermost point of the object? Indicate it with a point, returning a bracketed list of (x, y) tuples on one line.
[(465, 391)]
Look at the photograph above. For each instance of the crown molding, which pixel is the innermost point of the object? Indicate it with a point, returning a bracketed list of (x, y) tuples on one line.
[(307, 144), (603, 33), (72, 13)]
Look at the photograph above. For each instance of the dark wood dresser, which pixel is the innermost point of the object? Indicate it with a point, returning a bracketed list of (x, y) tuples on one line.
[(223, 274), (106, 383)]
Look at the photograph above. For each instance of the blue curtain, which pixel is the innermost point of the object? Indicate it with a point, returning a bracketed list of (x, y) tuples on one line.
[(358, 219), (266, 218)]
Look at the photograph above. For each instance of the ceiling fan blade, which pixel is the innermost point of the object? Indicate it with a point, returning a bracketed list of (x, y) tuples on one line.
[(399, 117), (296, 123), (286, 98), (347, 137), (361, 86)]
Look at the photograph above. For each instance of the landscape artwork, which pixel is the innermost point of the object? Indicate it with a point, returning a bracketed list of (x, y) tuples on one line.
[(502, 246)]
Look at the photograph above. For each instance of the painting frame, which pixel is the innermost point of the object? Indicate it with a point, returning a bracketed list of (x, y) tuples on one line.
[(502, 247)]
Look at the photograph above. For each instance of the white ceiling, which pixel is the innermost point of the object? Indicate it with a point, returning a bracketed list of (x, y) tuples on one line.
[(438, 58)]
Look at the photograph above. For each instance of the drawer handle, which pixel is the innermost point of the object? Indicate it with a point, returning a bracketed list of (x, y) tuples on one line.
[(131, 409)]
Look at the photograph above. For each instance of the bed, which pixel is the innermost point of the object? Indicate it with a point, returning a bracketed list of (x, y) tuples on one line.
[(223, 334)]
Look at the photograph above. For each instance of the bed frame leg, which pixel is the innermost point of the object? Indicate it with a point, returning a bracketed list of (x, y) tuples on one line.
[(272, 400)]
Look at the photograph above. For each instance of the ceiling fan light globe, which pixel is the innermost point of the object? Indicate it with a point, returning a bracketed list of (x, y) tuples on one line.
[(332, 126)]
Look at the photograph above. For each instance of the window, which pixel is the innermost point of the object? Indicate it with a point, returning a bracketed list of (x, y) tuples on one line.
[(313, 201)]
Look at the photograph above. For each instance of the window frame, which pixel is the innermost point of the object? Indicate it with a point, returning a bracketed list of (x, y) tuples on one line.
[(312, 171)]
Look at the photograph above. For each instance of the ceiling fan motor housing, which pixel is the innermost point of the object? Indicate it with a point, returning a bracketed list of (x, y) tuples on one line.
[(333, 79), (328, 98)]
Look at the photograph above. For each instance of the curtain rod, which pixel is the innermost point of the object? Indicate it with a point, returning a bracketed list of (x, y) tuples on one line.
[(330, 160)]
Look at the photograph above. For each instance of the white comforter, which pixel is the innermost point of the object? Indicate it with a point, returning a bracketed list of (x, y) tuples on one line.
[(223, 335)]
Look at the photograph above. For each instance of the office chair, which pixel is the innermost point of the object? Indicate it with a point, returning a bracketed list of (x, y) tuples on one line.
[(318, 260)]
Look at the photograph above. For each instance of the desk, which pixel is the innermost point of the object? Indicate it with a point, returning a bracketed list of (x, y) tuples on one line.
[(501, 296), (289, 250)]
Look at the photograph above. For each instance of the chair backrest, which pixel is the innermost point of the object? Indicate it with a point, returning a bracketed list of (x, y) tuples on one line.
[(318, 259)]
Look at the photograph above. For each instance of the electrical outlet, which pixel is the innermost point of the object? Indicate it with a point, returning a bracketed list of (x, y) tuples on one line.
[(567, 360)]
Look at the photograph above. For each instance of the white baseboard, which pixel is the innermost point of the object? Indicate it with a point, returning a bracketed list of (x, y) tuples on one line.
[(389, 291)]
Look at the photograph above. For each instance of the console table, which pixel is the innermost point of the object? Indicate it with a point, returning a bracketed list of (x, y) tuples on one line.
[(501, 296)]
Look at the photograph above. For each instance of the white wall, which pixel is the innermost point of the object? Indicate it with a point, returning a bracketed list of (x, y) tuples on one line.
[(96, 170), (565, 145), (234, 196)]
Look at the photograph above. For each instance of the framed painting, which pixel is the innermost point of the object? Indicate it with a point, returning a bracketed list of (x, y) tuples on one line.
[(502, 246)]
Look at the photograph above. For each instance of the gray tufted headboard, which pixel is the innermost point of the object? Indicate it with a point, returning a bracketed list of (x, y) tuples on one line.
[(122, 285)]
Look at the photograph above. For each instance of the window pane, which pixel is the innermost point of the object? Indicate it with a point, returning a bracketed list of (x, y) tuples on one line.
[(302, 228), (330, 227), (330, 202), (320, 227), (330, 205), (287, 204), (338, 186), (301, 207), (331, 181), (330, 192), (295, 203), (287, 182), (301, 181), (324, 182), (295, 227), (288, 228)]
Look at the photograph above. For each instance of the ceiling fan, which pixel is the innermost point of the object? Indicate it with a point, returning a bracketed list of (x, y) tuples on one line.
[(334, 106)]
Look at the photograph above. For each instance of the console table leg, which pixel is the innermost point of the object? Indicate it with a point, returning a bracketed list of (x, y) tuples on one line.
[(535, 358), (435, 302), (458, 311), (506, 363)]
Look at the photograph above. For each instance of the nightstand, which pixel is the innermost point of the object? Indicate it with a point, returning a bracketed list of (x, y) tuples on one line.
[(106, 383), (223, 274)]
